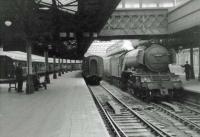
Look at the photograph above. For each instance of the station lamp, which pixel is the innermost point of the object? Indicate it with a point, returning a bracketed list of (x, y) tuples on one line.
[(8, 23)]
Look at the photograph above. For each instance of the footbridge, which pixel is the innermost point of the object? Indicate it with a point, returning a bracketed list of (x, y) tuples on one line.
[(141, 23)]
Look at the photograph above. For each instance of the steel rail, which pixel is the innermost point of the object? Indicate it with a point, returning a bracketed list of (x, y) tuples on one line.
[(109, 120), (157, 130), (189, 108), (192, 104), (191, 124), (123, 134)]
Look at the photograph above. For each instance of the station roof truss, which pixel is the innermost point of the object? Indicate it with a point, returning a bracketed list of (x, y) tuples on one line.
[(69, 26)]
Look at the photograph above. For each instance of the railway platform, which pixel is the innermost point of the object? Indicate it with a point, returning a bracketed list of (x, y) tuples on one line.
[(65, 109), (191, 85), (191, 90)]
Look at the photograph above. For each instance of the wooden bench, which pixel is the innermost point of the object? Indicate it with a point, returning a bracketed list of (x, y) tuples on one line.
[(12, 82), (37, 84)]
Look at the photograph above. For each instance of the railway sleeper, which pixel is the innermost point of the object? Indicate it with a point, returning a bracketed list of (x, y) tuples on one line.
[(136, 130), (129, 124), (129, 121), (145, 134), (124, 119), (121, 116), (133, 127)]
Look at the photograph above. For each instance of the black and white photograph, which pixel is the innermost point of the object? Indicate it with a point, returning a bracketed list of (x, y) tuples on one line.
[(99, 68)]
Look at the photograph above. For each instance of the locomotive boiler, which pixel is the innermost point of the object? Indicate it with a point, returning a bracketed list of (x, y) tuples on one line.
[(154, 58), (144, 72)]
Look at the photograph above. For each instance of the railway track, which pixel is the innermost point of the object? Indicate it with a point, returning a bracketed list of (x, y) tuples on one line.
[(127, 122), (190, 113), (186, 119), (184, 122)]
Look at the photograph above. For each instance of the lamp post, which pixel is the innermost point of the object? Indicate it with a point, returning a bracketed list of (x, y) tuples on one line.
[(47, 79)]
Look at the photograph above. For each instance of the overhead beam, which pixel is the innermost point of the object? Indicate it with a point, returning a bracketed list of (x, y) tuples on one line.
[(184, 17)]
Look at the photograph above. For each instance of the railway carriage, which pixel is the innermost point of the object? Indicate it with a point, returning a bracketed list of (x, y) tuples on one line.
[(9, 60), (92, 68)]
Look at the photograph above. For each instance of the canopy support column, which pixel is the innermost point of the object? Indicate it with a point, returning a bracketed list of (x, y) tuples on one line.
[(47, 79), (62, 66), (29, 82), (192, 63), (60, 69), (66, 66), (54, 68), (70, 64)]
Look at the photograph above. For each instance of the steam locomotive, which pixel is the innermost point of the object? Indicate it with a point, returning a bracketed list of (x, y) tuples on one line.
[(92, 67), (143, 72)]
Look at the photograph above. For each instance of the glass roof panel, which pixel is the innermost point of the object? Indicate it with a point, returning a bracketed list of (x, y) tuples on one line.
[(132, 3), (70, 6), (46, 1), (66, 1)]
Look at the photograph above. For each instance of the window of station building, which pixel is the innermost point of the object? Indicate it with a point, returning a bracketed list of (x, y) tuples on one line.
[(167, 3), (150, 3), (132, 3)]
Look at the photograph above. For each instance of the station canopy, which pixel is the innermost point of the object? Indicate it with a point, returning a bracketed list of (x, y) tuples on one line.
[(65, 27)]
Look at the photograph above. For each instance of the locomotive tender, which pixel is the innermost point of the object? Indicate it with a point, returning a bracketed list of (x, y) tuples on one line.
[(144, 72), (92, 67)]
